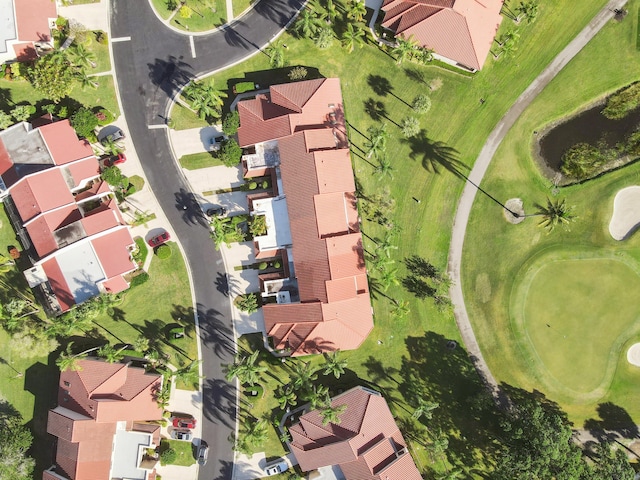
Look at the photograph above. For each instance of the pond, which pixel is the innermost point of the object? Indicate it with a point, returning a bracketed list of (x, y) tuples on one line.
[(589, 126)]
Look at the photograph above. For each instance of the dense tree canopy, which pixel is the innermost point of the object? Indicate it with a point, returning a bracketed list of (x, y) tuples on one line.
[(53, 76), (15, 440)]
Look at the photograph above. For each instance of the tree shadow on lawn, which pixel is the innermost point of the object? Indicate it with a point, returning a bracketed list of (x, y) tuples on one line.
[(466, 413), (382, 87), (614, 422), (435, 155)]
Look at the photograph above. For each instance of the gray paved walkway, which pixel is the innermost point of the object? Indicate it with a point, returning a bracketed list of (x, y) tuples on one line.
[(480, 167)]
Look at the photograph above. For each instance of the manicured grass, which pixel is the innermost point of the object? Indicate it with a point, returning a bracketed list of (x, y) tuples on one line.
[(195, 161), (207, 14), (184, 451), (137, 181), (103, 61), (183, 119), (576, 337), (239, 6), (607, 63), (155, 307), (407, 358), (162, 7), (104, 95)]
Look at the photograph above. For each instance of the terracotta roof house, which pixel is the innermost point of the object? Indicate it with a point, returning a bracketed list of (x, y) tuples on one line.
[(366, 444), (66, 217), (319, 301), (25, 28), (460, 32), (98, 422)]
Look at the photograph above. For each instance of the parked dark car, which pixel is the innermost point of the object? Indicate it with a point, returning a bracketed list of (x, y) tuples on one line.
[(216, 211), (159, 239), (110, 133), (115, 160), (216, 142), (203, 453)]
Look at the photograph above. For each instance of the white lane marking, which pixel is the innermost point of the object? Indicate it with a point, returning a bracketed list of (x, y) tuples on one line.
[(121, 39), (193, 47), (151, 127)]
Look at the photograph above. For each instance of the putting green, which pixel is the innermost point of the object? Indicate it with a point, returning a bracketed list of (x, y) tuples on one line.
[(574, 314)]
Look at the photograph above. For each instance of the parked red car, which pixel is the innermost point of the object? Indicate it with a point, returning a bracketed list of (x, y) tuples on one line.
[(159, 239), (115, 160), (184, 422)]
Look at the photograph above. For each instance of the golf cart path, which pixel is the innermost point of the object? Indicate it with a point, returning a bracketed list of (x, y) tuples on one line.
[(479, 169)]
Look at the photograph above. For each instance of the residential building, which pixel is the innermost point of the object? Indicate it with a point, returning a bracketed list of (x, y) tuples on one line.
[(319, 301), (65, 215), (25, 28), (459, 32), (101, 423), (366, 443)]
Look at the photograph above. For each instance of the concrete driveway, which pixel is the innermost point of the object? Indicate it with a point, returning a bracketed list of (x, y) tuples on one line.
[(193, 140)]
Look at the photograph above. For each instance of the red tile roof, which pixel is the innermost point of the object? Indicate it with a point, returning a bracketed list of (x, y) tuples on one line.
[(83, 170), (40, 192), (461, 30), (317, 180), (366, 444), (111, 250), (58, 284), (41, 228), (91, 401), (63, 143), (32, 19)]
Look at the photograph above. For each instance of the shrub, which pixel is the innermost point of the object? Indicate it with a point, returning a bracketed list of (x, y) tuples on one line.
[(185, 12), (139, 279), (258, 225), (247, 303), (231, 123), (620, 104), (277, 264), (163, 251), (230, 153), (104, 116), (168, 456), (84, 122), (421, 104), (263, 266), (101, 37), (265, 185), (252, 185), (242, 87), (298, 73)]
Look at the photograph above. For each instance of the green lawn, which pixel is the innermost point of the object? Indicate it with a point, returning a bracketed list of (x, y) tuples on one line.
[(183, 119), (195, 161), (163, 7), (239, 6), (606, 64), (207, 14), (184, 451), (407, 358), (103, 61)]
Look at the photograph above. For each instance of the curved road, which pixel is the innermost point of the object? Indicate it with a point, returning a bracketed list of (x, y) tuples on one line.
[(152, 62), (479, 169)]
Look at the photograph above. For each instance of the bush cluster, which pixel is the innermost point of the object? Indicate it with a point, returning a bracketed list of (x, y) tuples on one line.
[(139, 279), (621, 103), (163, 251)]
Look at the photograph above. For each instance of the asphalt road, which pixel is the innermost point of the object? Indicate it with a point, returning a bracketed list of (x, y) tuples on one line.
[(150, 67)]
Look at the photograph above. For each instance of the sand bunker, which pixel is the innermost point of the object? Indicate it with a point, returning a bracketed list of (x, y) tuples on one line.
[(633, 354), (626, 213)]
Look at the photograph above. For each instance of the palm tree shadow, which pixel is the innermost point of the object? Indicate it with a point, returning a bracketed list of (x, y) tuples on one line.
[(435, 155)]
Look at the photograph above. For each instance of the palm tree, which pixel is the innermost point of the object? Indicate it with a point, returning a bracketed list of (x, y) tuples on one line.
[(246, 370), (251, 434), (204, 108), (307, 23), (410, 126), (317, 395), (111, 147), (555, 213), (303, 374), (110, 354), (81, 57), (141, 344), (384, 167), (421, 104), (275, 51), (331, 414), (332, 11), (425, 409), (286, 396), (189, 374), (385, 245), (377, 142), (324, 37), (357, 10), (333, 365), (507, 43), (381, 262), (353, 37), (400, 309), (68, 361), (528, 10), (162, 397), (389, 277), (85, 80), (404, 49), (451, 475), (438, 446), (6, 120)]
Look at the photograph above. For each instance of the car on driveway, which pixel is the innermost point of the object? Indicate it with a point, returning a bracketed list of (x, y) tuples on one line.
[(203, 453), (110, 133), (159, 239), (182, 434), (112, 160), (216, 211), (275, 468), (216, 142), (184, 422)]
